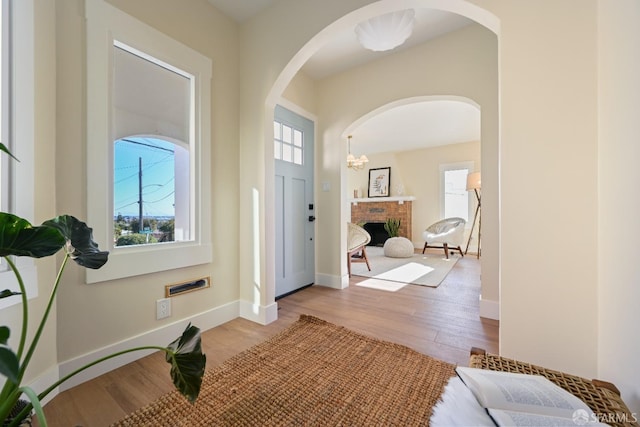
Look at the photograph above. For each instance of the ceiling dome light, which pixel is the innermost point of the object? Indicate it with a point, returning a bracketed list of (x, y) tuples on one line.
[(387, 31)]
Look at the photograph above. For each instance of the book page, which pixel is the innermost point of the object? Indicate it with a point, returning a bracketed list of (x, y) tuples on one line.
[(520, 392)]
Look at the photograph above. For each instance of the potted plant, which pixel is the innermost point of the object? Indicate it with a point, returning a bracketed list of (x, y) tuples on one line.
[(396, 246), (19, 238), (392, 227)]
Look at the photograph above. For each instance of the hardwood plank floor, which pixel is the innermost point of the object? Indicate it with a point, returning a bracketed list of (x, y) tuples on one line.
[(442, 322)]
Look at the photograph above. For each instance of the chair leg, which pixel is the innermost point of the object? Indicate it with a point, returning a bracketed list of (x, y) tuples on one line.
[(425, 247), (461, 253), (364, 255), (349, 263), (446, 250)]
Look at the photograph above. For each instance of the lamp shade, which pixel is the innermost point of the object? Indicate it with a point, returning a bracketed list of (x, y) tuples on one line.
[(387, 31), (473, 181)]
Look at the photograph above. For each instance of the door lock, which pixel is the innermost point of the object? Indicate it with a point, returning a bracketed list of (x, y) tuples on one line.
[(312, 218)]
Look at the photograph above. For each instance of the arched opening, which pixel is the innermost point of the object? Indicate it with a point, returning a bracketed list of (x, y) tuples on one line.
[(412, 135), (480, 16)]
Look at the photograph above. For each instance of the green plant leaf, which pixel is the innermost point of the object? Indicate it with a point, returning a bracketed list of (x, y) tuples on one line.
[(187, 363), (5, 333), (79, 236), (19, 237), (9, 366), (8, 293), (35, 404), (6, 150)]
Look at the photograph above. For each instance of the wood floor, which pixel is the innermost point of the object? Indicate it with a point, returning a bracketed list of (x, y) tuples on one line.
[(442, 322)]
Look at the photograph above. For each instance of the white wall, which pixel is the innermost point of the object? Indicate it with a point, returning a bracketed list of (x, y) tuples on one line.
[(619, 206)]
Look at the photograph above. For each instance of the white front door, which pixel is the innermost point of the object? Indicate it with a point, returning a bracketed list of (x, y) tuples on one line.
[(295, 210)]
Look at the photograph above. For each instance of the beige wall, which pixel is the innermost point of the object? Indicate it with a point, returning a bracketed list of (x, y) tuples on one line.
[(619, 206), (97, 315), (418, 171), (548, 182)]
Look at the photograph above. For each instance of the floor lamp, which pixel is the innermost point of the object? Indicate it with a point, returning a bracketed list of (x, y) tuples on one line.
[(473, 183)]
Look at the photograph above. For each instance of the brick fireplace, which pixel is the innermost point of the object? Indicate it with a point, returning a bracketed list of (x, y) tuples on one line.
[(372, 210)]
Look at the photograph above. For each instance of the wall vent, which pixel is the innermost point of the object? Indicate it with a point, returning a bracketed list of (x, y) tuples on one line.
[(184, 287)]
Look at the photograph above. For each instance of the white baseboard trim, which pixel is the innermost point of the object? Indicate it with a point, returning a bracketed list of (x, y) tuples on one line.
[(43, 382), (331, 281), (160, 336), (489, 309), (262, 314)]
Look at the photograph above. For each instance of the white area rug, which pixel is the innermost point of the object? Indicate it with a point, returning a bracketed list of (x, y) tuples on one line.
[(391, 274)]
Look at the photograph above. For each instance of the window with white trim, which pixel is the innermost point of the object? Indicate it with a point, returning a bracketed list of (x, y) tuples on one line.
[(454, 194), (18, 123), (287, 143), (144, 87), (152, 186)]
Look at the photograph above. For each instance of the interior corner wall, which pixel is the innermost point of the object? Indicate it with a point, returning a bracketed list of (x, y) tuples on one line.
[(302, 93), (619, 206), (92, 317)]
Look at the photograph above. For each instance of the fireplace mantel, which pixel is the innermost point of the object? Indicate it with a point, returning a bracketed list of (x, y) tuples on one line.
[(399, 199)]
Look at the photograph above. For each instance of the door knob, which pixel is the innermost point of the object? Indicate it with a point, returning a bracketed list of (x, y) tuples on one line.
[(312, 218)]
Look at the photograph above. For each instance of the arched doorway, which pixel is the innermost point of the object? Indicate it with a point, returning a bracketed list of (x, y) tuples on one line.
[(335, 229)]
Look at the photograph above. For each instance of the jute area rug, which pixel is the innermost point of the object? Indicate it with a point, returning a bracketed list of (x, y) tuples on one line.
[(313, 373), (420, 269)]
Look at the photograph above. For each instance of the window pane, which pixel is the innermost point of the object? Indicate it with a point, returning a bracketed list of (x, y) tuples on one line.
[(286, 153), (288, 143), (456, 197), (297, 156), (152, 176), (277, 132), (286, 134), (145, 190), (297, 138), (277, 149)]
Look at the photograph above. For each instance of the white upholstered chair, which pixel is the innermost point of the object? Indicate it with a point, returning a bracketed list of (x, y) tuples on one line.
[(445, 234), (357, 240)]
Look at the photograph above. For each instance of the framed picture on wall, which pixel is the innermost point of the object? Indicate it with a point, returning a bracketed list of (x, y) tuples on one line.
[(379, 182)]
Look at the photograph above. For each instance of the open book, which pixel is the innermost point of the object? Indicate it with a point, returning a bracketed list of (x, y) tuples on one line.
[(513, 399)]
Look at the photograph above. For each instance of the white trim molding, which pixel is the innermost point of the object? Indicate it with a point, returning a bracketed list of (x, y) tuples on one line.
[(160, 336), (262, 314), (489, 309)]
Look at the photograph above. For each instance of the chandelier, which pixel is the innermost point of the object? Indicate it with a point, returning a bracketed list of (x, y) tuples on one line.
[(387, 31), (353, 162)]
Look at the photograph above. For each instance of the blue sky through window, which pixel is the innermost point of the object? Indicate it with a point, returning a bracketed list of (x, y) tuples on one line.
[(158, 177)]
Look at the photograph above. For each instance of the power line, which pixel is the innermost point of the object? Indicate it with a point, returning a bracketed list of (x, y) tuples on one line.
[(131, 141)]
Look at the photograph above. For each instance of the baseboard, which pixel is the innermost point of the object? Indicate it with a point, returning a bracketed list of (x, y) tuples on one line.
[(163, 336), (489, 309), (262, 314), (331, 281), (43, 382)]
